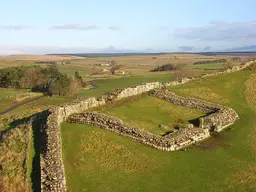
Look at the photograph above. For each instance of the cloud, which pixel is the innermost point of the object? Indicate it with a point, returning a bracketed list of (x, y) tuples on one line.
[(219, 31), (13, 27), (75, 27), (114, 28), (186, 48), (207, 48)]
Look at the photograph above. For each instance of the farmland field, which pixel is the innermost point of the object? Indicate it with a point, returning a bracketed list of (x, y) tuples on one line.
[(208, 66), (105, 161)]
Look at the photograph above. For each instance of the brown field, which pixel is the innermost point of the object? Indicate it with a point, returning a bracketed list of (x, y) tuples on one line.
[(39, 57)]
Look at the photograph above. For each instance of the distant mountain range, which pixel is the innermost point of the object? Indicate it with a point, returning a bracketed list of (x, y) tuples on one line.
[(245, 48), (112, 51)]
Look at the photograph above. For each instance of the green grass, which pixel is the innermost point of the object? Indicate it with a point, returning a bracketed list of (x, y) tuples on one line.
[(147, 113), (5, 97), (105, 161), (9, 92), (107, 85), (28, 109), (207, 66), (42, 104), (210, 66)]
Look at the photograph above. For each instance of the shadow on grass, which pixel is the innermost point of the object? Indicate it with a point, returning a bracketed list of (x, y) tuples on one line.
[(36, 172), (39, 146), (196, 121), (38, 120)]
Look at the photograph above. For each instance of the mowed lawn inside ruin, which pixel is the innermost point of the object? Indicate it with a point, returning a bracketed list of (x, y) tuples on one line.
[(100, 160), (151, 114)]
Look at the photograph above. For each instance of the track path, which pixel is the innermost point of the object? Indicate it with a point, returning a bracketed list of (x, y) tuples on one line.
[(19, 104)]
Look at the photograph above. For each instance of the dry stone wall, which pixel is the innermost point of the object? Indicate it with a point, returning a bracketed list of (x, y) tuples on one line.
[(219, 118), (51, 163), (171, 142), (52, 169)]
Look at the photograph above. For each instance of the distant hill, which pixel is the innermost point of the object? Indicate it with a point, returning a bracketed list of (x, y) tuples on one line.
[(92, 55), (51, 57), (244, 48)]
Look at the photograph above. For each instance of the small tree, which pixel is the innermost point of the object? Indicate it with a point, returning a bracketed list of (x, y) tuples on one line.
[(228, 65), (166, 67), (77, 75), (113, 69), (78, 79), (113, 62)]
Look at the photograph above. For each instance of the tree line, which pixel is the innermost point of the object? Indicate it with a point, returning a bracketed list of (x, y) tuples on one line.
[(211, 61), (47, 80), (166, 67)]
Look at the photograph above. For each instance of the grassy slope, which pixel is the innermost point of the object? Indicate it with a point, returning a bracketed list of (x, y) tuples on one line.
[(12, 159), (5, 100), (147, 112), (104, 161)]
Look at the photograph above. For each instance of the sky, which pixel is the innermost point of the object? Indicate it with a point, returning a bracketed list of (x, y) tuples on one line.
[(61, 26)]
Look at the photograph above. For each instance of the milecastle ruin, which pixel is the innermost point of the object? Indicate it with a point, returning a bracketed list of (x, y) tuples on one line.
[(51, 164)]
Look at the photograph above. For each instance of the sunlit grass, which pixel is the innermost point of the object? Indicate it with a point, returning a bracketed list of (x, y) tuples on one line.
[(198, 169), (151, 114)]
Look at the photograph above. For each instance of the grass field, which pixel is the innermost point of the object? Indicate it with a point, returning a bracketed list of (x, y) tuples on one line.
[(106, 85), (207, 66), (28, 109), (105, 161), (148, 113), (5, 97)]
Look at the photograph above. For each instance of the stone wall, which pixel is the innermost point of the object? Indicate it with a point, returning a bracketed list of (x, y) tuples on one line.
[(52, 169), (218, 118), (51, 163), (171, 142)]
